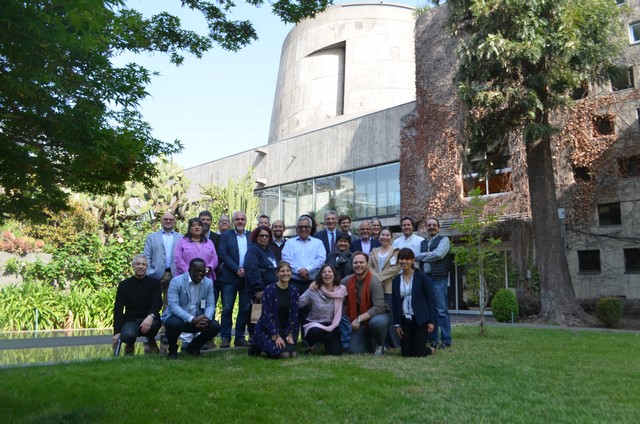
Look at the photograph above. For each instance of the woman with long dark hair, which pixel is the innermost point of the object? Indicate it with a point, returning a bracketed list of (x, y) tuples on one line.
[(323, 321)]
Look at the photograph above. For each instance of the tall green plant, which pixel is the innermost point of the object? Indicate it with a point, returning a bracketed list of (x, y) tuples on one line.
[(238, 195), (478, 248)]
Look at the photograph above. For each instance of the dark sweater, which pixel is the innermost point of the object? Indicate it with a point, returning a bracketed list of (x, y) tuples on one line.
[(136, 299)]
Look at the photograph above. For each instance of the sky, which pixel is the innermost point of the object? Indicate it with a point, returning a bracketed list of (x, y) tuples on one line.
[(219, 105)]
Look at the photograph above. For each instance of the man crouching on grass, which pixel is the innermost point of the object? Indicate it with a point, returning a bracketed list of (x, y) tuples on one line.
[(137, 308), (191, 309)]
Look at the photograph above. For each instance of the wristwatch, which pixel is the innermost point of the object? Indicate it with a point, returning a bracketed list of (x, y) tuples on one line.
[(153, 315), (358, 320)]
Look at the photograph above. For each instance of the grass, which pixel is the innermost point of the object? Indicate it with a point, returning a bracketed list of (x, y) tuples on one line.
[(514, 375)]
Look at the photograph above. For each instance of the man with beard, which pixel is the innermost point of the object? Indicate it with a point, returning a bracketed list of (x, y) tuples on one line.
[(277, 242), (191, 309), (435, 262), (366, 308), (233, 247)]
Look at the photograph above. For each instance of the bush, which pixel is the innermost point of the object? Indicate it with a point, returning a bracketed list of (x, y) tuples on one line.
[(504, 305), (609, 311)]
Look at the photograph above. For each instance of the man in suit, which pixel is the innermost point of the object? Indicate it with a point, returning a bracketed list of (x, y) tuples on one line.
[(277, 243), (233, 247), (191, 309), (329, 236), (158, 249), (365, 243)]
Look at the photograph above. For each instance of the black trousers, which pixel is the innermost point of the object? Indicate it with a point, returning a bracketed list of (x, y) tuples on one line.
[(330, 339), (175, 326), (130, 331), (414, 341)]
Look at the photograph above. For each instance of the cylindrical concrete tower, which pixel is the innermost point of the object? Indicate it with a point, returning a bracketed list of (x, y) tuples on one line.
[(351, 60)]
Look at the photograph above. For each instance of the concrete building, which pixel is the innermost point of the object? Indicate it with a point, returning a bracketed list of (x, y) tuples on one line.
[(346, 79), (366, 121)]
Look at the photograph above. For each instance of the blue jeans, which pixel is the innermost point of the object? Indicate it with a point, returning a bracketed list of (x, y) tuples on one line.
[(345, 331), (442, 328), (229, 291), (369, 336)]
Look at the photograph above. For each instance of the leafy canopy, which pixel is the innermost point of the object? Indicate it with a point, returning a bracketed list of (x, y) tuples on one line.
[(68, 117), (521, 59)]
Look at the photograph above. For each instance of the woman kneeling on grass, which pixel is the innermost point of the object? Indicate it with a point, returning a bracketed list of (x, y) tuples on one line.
[(277, 329), (413, 307), (323, 322)]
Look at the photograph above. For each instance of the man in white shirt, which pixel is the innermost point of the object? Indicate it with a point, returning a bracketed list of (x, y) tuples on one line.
[(408, 238), (305, 255)]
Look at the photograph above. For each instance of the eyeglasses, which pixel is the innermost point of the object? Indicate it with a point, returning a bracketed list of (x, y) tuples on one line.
[(263, 235), (303, 227)]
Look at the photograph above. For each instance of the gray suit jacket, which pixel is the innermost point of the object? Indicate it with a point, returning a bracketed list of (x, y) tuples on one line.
[(180, 299), (154, 251)]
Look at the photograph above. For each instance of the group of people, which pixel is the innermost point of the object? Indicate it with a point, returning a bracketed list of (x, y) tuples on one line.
[(331, 288)]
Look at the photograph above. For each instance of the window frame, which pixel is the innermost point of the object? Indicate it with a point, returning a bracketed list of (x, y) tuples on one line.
[(584, 260)]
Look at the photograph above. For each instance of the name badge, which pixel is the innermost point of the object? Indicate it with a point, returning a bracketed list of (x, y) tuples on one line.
[(392, 261), (203, 304)]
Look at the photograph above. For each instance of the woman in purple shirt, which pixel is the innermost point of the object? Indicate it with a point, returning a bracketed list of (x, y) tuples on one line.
[(195, 245)]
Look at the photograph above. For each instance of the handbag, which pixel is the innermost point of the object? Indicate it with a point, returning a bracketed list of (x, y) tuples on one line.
[(256, 311)]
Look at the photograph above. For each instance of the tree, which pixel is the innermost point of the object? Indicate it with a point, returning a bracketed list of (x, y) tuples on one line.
[(479, 249), (238, 195), (68, 117), (519, 61)]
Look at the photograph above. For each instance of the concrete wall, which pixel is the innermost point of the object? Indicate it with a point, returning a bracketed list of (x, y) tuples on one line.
[(349, 61), (357, 143)]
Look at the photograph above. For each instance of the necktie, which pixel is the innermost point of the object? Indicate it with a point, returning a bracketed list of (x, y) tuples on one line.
[(332, 243)]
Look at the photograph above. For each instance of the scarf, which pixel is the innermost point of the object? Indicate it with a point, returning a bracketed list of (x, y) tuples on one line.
[(337, 296), (365, 299)]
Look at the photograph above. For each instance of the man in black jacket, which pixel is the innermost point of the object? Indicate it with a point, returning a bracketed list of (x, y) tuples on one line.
[(137, 308)]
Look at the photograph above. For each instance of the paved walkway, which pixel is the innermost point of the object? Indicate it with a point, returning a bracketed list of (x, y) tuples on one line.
[(43, 342)]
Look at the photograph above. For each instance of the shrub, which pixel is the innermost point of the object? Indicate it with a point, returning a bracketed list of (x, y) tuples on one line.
[(504, 305), (609, 311)]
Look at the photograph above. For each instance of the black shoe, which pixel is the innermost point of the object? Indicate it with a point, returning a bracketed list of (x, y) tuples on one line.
[(254, 350), (172, 356), (226, 343), (241, 343), (192, 352)]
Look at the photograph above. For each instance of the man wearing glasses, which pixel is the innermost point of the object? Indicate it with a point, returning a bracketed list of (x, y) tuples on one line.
[(158, 249), (435, 262), (305, 255)]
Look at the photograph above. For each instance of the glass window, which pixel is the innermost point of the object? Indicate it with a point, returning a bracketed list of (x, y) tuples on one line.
[(609, 214), (305, 197), (632, 260), (589, 261), (288, 204), (388, 179), (634, 32), (620, 2), (325, 194), (269, 202), (365, 193), (621, 78), (629, 166), (490, 177), (344, 189)]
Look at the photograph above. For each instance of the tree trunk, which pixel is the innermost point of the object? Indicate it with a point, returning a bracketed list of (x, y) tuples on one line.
[(558, 299)]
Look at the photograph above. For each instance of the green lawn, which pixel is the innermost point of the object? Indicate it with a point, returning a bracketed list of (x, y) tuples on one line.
[(514, 375)]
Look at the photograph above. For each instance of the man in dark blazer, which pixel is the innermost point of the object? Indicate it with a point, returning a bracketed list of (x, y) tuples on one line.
[(329, 235), (365, 243), (233, 246)]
